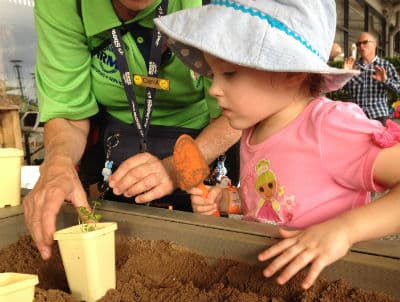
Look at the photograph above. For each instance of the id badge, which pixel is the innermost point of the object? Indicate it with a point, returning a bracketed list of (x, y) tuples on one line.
[(151, 82)]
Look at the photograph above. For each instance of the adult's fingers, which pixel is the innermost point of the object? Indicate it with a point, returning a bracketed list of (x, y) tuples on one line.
[(32, 212), (53, 200), (143, 176), (133, 187), (42, 205), (139, 163)]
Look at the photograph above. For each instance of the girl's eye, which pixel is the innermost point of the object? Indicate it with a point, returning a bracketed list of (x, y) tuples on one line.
[(229, 73)]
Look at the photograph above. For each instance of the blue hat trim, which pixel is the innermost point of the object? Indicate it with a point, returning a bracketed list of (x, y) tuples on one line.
[(272, 21)]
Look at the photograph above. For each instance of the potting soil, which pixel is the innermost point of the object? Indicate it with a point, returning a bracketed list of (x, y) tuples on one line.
[(162, 271)]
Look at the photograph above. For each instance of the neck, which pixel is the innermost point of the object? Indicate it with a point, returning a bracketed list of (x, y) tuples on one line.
[(123, 13), (280, 120), (368, 60)]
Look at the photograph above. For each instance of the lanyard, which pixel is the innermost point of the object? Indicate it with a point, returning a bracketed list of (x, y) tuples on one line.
[(143, 124)]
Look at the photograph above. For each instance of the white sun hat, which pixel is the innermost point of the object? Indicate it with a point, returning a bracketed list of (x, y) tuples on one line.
[(272, 35)]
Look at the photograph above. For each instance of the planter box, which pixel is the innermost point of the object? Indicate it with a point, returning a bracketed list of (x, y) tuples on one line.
[(16, 287), (372, 265)]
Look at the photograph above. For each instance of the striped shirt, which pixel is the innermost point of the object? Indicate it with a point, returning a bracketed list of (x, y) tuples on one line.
[(371, 95)]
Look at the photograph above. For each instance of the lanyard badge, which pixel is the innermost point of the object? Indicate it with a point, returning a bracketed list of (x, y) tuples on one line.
[(151, 82)]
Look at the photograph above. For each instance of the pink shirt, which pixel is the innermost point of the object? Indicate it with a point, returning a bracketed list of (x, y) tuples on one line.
[(318, 166)]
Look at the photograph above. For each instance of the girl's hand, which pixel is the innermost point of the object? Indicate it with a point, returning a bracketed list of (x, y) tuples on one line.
[(318, 245), (206, 206)]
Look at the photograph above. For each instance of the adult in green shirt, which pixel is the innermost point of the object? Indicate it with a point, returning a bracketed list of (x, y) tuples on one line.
[(78, 72)]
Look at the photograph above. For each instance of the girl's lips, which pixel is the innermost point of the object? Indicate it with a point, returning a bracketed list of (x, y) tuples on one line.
[(226, 111)]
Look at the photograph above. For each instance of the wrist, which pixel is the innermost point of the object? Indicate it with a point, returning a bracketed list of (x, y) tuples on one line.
[(59, 160), (169, 166), (346, 222)]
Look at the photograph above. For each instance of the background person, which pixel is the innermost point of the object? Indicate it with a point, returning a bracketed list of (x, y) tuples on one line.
[(80, 59), (271, 89), (336, 50), (370, 89)]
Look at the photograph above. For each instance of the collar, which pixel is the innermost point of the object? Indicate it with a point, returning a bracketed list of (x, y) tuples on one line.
[(376, 59), (103, 17)]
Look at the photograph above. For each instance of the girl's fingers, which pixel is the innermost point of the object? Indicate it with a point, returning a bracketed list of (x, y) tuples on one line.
[(297, 263), (205, 209), (195, 191), (288, 233), (286, 256), (316, 268), (276, 249)]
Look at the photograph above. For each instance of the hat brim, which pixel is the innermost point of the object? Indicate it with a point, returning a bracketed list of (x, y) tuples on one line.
[(211, 29)]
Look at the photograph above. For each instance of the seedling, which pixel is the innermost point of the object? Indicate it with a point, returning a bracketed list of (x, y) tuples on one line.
[(88, 219)]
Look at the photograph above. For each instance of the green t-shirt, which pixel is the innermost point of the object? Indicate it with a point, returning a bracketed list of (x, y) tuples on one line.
[(71, 82)]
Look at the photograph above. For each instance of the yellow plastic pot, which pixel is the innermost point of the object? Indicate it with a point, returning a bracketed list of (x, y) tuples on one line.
[(15, 287), (10, 176), (89, 259)]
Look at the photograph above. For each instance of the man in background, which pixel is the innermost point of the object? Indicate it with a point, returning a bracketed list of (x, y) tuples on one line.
[(370, 89)]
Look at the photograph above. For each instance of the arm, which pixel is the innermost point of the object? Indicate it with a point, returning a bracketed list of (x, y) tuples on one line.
[(149, 178), (64, 142), (325, 243)]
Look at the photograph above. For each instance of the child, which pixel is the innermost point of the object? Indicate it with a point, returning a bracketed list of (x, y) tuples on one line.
[(307, 162)]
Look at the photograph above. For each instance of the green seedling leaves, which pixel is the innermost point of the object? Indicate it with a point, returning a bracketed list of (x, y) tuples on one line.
[(88, 219)]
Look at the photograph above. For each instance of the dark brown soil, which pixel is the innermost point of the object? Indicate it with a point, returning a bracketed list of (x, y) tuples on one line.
[(162, 271)]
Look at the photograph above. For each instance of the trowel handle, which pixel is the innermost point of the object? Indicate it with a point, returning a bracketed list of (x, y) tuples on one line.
[(202, 187)]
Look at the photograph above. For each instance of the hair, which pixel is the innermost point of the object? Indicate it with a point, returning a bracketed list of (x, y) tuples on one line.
[(373, 36), (314, 82)]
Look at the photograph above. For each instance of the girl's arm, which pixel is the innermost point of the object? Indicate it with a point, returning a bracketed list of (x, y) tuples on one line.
[(325, 243)]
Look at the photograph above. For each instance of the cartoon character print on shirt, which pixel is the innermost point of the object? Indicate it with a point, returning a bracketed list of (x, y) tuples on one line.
[(274, 206), (266, 187)]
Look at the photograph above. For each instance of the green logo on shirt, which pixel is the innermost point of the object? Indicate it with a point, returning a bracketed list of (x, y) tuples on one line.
[(107, 60)]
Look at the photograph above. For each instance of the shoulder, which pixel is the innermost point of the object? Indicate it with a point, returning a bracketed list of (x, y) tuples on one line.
[(330, 116), (57, 13), (56, 8), (384, 62), (327, 109)]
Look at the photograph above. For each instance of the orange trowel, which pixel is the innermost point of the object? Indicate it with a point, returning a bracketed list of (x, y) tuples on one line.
[(190, 165)]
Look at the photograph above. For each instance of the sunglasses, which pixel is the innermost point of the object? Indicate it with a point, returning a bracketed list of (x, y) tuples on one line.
[(365, 42)]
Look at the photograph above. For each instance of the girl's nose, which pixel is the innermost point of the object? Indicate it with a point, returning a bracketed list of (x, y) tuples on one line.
[(214, 90)]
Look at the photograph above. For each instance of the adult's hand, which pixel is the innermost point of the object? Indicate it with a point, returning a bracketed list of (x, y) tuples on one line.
[(144, 176), (349, 63), (58, 182), (148, 178), (379, 74), (64, 142)]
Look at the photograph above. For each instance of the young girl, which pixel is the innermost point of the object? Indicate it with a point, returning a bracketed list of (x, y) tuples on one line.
[(307, 162)]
